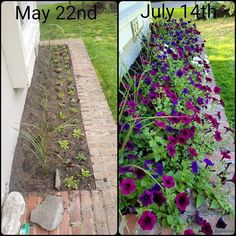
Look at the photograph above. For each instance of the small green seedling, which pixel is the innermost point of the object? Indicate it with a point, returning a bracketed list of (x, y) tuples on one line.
[(61, 95), (71, 92), (61, 128), (73, 100), (58, 70), (59, 82), (72, 183), (62, 105), (77, 133), (64, 144), (70, 78), (62, 115), (85, 173), (75, 121), (74, 109), (80, 157)]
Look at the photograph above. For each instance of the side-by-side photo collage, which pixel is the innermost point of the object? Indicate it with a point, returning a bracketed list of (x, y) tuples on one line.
[(118, 117)]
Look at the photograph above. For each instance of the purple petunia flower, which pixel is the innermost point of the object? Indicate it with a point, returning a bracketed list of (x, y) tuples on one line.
[(160, 113), (217, 136), (221, 224), (137, 127), (171, 149), (132, 156), (206, 228), (168, 181), (182, 201), (194, 167), (169, 128), (131, 104), (155, 187), (179, 73), (198, 218), (124, 169), (192, 152), (147, 220), (147, 164), (130, 146), (160, 124), (153, 95), (200, 100), (153, 72), (126, 126), (185, 91), (139, 173), (217, 89), (159, 168), (127, 186), (146, 198), (208, 162), (158, 198), (145, 101)]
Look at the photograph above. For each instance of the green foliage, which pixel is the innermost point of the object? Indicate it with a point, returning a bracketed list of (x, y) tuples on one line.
[(72, 183), (61, 95), (64, 144), (62, 115), (85, 173), (80, 157), (74, 109), (75, 121), (77, 133)]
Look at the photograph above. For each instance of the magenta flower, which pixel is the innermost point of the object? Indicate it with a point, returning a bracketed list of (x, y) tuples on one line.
[(181, 139), (171, 149), (168, 181), (192, 152), (172, 139), (127, 186), (206, 228), (189, 232), (182, 201), (139, 173), (217, 90), (185, 120), (217, 136), (147, 220), (160, 124), (146, 198)]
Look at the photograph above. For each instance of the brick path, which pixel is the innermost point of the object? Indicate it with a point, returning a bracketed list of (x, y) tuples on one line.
[(88, 212)]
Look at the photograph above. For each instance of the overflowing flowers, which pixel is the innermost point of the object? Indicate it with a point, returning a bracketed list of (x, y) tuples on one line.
[(167, 132)]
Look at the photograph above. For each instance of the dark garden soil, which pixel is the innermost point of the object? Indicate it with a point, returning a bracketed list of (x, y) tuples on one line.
[(27, 172)]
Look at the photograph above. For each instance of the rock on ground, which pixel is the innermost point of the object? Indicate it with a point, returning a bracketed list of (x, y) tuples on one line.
[(13, 208), (49, 213)]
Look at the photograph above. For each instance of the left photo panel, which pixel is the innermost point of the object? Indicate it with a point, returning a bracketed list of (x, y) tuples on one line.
[(59, 117)]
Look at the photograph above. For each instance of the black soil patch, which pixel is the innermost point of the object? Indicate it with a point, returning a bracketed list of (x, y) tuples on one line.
[(53, 71)]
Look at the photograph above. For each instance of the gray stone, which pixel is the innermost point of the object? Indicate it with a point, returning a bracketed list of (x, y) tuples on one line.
[(13, 208), (57, 180), (49, 213)]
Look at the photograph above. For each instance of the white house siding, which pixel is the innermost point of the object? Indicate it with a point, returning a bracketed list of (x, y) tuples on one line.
[(129, 46), (13, 98)]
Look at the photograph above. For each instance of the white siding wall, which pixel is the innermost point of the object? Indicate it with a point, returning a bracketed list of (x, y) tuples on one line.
[(13, 99), (129, 47)]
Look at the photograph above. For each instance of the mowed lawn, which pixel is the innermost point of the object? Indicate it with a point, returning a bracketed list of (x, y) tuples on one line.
[(100, 38), (219, 35)]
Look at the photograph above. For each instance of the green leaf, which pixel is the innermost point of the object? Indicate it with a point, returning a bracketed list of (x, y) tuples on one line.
[(143, 182), (170, 220), (214, 204), (200, 200)]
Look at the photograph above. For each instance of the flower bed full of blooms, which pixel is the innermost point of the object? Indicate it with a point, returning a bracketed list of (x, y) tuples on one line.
[(166, 130)]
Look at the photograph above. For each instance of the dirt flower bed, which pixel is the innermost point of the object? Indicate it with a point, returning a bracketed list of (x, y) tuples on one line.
[(51, 135), (166, 131)]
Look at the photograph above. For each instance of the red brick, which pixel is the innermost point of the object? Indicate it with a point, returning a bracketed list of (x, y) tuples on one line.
[(31, 204), (75, 216), (85, 200), (64, 226), (76, 230), (87, 226), (54, 232), (65, 199)]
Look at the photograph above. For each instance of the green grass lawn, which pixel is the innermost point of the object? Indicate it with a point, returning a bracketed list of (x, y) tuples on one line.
[(100, 38), (220, 35)]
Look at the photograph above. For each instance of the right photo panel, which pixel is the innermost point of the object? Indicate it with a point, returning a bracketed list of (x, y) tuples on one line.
[(176, 118)]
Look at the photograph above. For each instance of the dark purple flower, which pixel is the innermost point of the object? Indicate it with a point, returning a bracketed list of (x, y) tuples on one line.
[(179, 73), (169, 128), (146, 198), (221, 224), (159, 168), (127, 186), (147, 220), (153, 72), (131, 104), (160, 124), (208, 162), (194, 167), (200, 100), (138, 173), (138, 126), (130, 146), (206, 228), (182, 201), (225, 154), (159, 198), (171, 149), (160, 113), (126, 126), (185, 91), (198, 218), (155, 187), (124, 169), (185, 120), (168, 181), (148, 81), (181, 139), (189, 232), (147, 164), (132, 156)]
